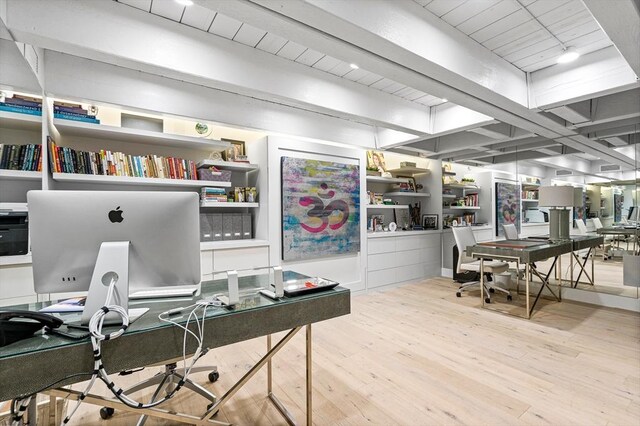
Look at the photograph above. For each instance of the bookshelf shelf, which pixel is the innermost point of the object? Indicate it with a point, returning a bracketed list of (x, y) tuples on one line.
[(387, 206), (460, 186), (228, 165), (18, 121), (129, 180), (460, 208), (380, 179), (411, 171), (217, 204), (524, 200), (449, 196), (20, 175), (100, 131), (407, 194)]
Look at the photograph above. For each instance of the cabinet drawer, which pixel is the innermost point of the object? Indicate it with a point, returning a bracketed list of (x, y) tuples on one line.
[(382, 245), (238, 259), (16, 281), (376, 262)]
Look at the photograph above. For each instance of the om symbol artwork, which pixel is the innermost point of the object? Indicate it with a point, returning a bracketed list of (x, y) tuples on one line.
[(334, 215)]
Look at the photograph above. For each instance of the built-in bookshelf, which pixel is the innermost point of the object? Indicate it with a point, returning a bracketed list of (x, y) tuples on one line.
[(20, 175), (228, 204)]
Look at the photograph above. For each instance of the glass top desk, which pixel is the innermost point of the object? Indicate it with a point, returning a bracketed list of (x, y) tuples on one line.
[(30, 365), (536, 249)]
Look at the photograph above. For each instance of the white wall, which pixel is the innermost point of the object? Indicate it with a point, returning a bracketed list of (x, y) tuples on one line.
[(348, 270)]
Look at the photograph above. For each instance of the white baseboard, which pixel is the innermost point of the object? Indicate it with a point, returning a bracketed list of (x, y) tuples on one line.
[(448, 273), (601, 299)]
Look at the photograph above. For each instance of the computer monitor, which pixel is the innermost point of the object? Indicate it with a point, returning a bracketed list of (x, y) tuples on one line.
[(68, 228)]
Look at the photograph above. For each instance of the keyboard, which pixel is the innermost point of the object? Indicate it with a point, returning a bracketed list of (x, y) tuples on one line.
[(161, 292)]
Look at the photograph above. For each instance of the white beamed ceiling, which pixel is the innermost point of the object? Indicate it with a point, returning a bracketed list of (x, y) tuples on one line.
[(509, 31), (218, 24)]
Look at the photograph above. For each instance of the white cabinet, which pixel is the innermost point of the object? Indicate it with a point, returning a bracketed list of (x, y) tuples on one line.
[(16, 285), (240, 258), (403, 257)]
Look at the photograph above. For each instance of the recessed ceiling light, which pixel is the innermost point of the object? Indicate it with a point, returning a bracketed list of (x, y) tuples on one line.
[(185, 2), (569, 55), (445, 100), (354, 66)]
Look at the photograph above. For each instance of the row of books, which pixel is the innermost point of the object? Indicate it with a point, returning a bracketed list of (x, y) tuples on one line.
[(21, 157), (109, 163), (21, 104), (211, 194), (71, 111), (471, 200), (529, 195)]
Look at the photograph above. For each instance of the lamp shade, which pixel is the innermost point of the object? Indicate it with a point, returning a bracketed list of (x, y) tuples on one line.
[(556, 196)]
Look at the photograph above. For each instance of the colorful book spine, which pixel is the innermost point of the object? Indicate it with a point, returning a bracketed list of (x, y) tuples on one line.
[(84, 119), (20, 109)]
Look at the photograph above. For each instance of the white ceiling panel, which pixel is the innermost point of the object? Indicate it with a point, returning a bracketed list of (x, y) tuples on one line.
[(540, 7), (406, 91), (198, 17), (225, 26), (567, 11), (541, 46), (440, 7), (494, 30), (512, 36), (168, 9), (415, 95), (467, 11), (310, 57), (341, 69), (395, 87), (291, 50), (429, 100), (272, 43), (138, 4), (489, 16), (356, 75), (381, 84), (326, 63), (370, 78), (249, 35)]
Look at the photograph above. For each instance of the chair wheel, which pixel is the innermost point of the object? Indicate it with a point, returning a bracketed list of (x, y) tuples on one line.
[(509, 297), (214, 376), (491, 290), (106, 412), (487, 300), (458, 294)]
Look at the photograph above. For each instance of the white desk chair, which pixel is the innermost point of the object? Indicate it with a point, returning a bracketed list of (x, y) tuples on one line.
[(582, 227), (510, 231), (464, 238), (607, 240)]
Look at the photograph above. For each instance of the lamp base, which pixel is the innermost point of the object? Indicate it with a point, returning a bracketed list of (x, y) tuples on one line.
[(559, 224)]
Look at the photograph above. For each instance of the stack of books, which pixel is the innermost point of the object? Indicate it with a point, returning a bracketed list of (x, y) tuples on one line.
[(71, 111), (104, 162), (21, 157), (213, 195), (22, 104), (471, 200)]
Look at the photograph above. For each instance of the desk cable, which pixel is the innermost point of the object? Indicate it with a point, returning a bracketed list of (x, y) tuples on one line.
[(97, 337)]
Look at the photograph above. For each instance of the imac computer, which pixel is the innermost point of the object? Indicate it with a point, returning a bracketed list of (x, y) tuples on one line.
[(79, 239)]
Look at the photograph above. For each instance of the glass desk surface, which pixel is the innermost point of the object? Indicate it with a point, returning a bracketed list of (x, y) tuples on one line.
[(250, 299)]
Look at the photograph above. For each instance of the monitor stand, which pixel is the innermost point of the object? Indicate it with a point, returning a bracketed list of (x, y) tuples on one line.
[(112, 264)]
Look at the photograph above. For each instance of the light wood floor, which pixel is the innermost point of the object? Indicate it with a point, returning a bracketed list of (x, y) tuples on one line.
[(417, 355)]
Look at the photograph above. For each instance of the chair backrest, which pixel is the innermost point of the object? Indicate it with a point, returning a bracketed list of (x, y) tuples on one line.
[(596, 223), (510, 231), (582, 227), (464, 238)]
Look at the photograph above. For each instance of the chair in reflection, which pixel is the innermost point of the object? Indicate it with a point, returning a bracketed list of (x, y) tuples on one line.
[(510, 231), (464, 238)]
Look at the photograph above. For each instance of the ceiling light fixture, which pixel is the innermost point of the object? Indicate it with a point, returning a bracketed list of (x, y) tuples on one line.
[(185, 2), (445, 100), (569, 55), (354, 66)]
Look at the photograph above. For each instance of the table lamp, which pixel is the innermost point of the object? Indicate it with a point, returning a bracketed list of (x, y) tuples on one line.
[(560, 199)]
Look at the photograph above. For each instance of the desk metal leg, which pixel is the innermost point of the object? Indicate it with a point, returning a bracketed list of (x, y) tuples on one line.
[(584, 269), (559, 269), (482, 280), (309, 377), (527, 270)]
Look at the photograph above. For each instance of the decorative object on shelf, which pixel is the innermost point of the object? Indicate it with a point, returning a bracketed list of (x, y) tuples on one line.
[(375, 161), (376, 223), (507, 205), (320, 208), (251, 194), (414, 212), (237, 149), (203, 130), (402, 217), (430, 221), (446, 167), (386, 175), (213, 174), (468, 181), (393, 227), (216, 156), (407, 164), (409, 186)]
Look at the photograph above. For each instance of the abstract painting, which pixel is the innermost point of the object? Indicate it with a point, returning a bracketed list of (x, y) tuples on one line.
[(320, 208), (507, 206)]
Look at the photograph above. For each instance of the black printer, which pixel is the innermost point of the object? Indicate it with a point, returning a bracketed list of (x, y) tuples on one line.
[(14, 233)]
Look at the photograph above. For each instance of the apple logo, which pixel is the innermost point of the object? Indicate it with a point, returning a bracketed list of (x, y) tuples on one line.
[(115, 216)]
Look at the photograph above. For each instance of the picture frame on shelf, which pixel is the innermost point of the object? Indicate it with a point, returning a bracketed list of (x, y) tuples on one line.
[(402, 218), (411, 181), (430, 221), (236, 150), (375, 161)]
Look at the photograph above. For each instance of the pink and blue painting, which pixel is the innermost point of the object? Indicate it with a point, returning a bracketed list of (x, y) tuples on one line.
[(320, 208)]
